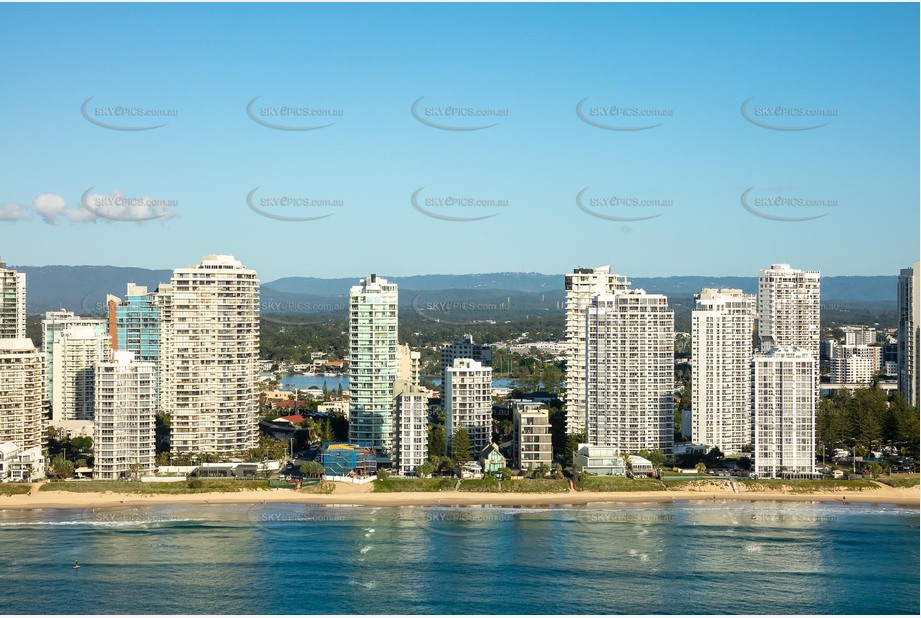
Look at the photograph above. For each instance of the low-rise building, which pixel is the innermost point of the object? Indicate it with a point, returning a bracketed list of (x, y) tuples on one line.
[(491, 460), (598, 460), (226, 471), (20, 465), (640, 466), (340, 407), (8, 452), (349, 459), (469, 470)]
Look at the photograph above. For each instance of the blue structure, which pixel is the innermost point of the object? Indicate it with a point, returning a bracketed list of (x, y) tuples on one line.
[(137, 321), (349, 459)]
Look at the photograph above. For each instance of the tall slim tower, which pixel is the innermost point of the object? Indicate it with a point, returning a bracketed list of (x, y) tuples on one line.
[(12, 303), (373, 364), (468, 403), (134, 325), (721, 353), (783, 429), (788, 308), (124, 440), (411, 406), (909, 338), (209, 353), (582, 285), (630, 382)]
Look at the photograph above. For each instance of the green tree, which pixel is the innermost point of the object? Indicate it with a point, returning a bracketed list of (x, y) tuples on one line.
[(82, 444), (312, 469), (556, 471), (437, 446), (134, 471), (425, 469), (572, 444), (383, 474), (62, 468), (460, 446), (552, 377), (505, 428), (701, 467)]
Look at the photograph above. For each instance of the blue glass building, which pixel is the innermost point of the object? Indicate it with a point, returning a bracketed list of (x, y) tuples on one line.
[(137, 324)]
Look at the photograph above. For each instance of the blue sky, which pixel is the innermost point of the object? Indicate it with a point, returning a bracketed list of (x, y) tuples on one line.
[(694, 65)]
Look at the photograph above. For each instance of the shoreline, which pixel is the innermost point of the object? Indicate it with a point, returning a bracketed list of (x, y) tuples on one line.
[(362, 496)]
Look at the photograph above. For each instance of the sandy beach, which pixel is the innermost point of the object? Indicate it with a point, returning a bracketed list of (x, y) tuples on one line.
[(363, 496)]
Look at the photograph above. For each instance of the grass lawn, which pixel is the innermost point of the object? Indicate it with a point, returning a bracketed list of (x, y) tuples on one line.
[(134, 487), (901, 480), (543, 486), (319, 488), (393, 485), (10, 489), (673, 483), (490, 485), (805, 485), (615, 483)]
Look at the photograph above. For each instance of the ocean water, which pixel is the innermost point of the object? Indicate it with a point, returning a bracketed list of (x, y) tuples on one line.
[(721, 557)]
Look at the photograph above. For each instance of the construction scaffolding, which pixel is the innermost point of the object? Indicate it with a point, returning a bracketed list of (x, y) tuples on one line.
[(349, 459)]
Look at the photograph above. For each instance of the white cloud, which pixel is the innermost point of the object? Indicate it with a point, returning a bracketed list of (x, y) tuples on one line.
[(11, 211), (119, 207), (113, 207), (49, 207)]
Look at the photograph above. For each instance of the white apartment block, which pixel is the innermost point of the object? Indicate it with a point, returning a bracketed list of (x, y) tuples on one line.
[(784, 400), (373, 363), (209, 355), (464, 347), (409, 364), (18, 465), (54, 325), (630, 383), (582, 286), (859, 335), (531, 441), (856, 364), (468, 402), (411, 406), (909, 291), (545, 347), (788, 308), (124, 436), (721, 352), (12, 303), (73, 360), (22, 393)]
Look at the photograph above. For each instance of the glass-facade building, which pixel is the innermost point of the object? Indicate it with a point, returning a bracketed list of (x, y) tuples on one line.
[(137, 325)]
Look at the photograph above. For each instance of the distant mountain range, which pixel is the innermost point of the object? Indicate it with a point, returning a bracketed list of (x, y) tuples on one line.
[(82, 289)]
